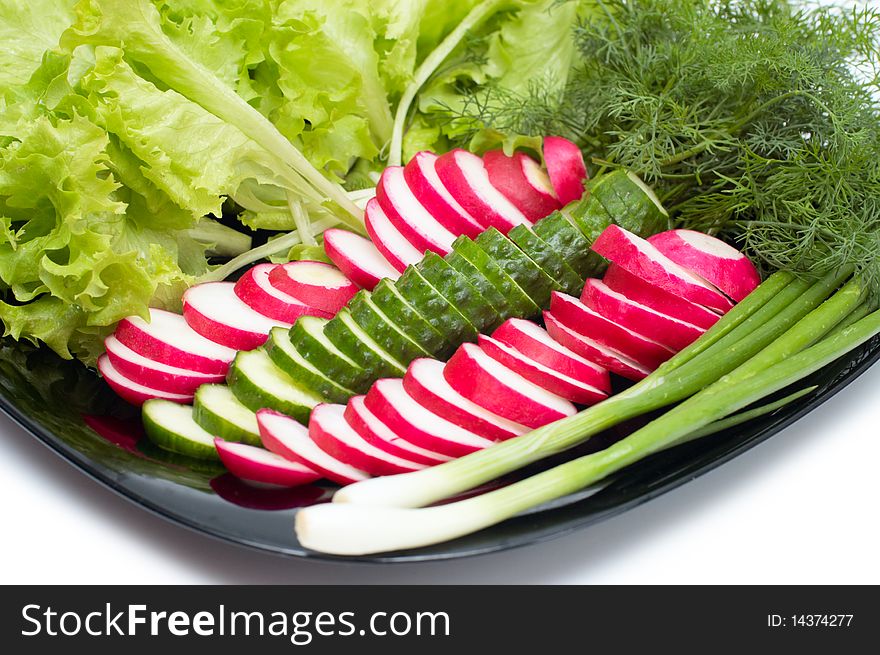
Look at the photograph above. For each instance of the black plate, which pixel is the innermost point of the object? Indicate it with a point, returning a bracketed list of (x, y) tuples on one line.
[(66, 406)]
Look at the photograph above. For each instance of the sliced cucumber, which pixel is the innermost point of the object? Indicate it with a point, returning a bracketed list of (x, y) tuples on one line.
[(351, 339), (389, 301), (171, 426), (307, 336), (459, 291), (286, 357), (563, 276), (258, 384), (590, 217), (386, 333), (528, 275), (630, 203), (218, 411), (560, 233)]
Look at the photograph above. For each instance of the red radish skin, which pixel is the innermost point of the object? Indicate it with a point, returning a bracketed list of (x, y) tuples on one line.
[(643, 260), (533, 341), (561, 385), (424, 381), (392, 405), (166, 338), (213, 310), (316, 284), (565, 165), (358, 258), (481, 379), (258, 293), (601, 327), (131, 391), (636, 289), (155, 375), (394, 247), (667, 330), (329, 429), (290, 439), (259, 465), (508, 175), (374, 431), (595, 351), (421, 176), (710, 258), (465, 177), (408, 215)]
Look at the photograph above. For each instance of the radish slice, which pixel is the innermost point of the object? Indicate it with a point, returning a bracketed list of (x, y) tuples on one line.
[(481, 379), (421, 177), (394, 247), (133, 392), (155, 375), (710, 258), (167, 339), (424, 381), (595, 351), (358, 258), (290, 439), (519, 178), (380, 435), (617, 307), (329, 429), (643, 260), (600, 327), (258, 293), (314, 283), (636, 289), (465, 176), (533, 341), (408, 215), (260, 465), (213, 310), (565, 165), (392, 405)]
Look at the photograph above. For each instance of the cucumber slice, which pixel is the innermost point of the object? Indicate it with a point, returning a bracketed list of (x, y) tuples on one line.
[(516, 301), (460, 293), (560, 233), (218, 411), (258, 384), (286, 357), (389, 301), (307, 336), (630, 203), (351, 339), (528, 275), (171, 426), (563, 276), (386, 333), (590, 217)]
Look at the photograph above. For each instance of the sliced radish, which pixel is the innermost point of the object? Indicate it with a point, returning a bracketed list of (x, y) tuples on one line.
[(381, 436), (258, 293), (167, 339), (314, 283), (358, 258), (481, 379), (133, 392), (533, 341), (392, 405), (547, 378), (519, 179), (710, 258), (259, 465), (595, 351), (643, 260), (213, 310), (329, 429), (155, 375), (465, 176), (408, 215), (424, 381), (394, 247), (421, 177), (290, 439), (662, 328), (635, 288), (565, 165), (600, 327)]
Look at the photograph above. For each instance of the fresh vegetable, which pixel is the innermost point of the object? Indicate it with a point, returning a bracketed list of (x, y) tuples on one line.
[(256, 291), (358, 258), (523, 182), (259, 465), (219, 412), (566, 168), (421, 176), (132, 391), (171, 426), (316, 284), (394, 247)]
